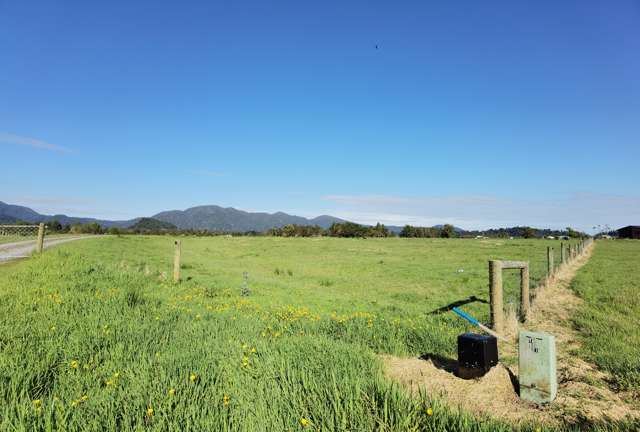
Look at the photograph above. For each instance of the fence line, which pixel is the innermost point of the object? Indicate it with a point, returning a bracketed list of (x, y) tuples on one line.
[(569, 253)]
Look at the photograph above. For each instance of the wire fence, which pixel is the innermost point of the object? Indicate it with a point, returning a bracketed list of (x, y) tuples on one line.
[(19, 230)]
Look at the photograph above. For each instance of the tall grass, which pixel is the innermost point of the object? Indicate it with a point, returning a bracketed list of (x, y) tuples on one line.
[(610, 317)]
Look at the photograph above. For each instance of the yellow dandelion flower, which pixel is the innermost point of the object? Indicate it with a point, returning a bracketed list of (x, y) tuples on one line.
[(52, 328), (116, 375), (225, 400), (304, 422), (74, 364), (150, 412), (244, 346), (172, 391), (253, 350), (108, 382), (193, 377), (84, 398), (37, 403), (429, 411)]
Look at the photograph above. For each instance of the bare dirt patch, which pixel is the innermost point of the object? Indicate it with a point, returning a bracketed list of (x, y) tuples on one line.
[(583, 392)]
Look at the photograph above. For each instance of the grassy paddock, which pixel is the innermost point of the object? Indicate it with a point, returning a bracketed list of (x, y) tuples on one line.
[(93, 336), (610, 317)]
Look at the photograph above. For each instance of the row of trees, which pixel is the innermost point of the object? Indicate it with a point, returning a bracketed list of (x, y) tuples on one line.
[(527, 232), (446, 231), (346, 229)]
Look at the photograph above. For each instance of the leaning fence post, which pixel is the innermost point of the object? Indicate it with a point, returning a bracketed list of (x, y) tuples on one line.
[(550, 264), (176, 263), (40, 242), (495, 294), (524, 292)]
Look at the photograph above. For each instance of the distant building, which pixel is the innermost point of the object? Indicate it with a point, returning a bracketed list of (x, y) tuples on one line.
[(629, 232)]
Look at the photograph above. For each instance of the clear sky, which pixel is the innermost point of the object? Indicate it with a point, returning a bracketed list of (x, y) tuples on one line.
[(476, 113)]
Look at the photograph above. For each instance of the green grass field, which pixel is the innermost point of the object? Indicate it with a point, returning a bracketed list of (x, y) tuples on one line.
[(610, 318), (93, 336)]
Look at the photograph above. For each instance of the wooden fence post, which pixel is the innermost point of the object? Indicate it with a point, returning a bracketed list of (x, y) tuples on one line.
[(40, 242), (563, 254), (176, 263), (550, 264), (524, 292), (495, 295)]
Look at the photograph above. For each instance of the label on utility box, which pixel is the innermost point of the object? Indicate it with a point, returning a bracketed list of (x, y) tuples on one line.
[(537, 367)]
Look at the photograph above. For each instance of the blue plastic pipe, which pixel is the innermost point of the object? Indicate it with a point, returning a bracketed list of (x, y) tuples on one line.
[(477, 323)]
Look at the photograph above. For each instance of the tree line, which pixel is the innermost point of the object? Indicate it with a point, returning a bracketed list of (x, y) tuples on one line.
[(344, 229)]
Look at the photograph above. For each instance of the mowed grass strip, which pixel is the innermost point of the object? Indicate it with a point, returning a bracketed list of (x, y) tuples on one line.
[(610, 317), (96, 338)]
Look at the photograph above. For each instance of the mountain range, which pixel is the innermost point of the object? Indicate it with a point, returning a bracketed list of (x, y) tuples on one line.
[(210, 217)]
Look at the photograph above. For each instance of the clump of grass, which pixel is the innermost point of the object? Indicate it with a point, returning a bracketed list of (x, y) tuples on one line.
[(134, 297), (279, 272), (326, 283)]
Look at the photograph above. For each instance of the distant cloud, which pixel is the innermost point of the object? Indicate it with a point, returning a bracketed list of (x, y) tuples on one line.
[(7, 138), (207, 173), (580, 210)]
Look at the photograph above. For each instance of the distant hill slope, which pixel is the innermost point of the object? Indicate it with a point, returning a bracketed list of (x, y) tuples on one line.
[(218, 218), (212, 217), (152, 224), (12, 213)]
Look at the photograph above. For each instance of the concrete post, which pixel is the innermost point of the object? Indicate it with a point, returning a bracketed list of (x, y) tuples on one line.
[(495, 295), (40, 242), (176, 262)]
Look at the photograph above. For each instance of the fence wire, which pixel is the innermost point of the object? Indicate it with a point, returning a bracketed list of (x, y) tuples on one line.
[(19, 230)]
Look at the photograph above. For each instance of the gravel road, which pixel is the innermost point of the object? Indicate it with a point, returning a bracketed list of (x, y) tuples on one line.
[(24, 249)]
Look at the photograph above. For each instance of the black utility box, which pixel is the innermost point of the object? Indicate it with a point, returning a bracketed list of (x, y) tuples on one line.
[(477, 354)]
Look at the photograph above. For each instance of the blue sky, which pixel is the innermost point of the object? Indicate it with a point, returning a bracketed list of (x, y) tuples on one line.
[(477, 113)]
